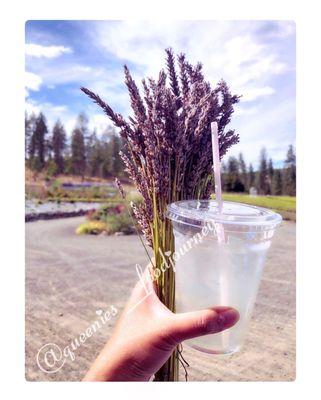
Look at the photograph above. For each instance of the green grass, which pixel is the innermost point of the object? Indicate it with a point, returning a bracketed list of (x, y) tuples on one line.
[(285, 205)]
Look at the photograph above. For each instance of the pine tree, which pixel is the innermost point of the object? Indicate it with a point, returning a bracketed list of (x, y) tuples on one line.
[(251, 176), (224, 176), (117, 164), (78, 156), (32, 148), (263, 178), (290, 173), (107, 156), (233, 181), (82, 125), (29, 128), (270, 169), (270, 176), (94, 155), (58, 146), (243, 171), (37, 146), (277, 183)]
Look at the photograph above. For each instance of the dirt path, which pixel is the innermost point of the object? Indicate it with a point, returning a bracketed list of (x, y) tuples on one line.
[(69, 278)]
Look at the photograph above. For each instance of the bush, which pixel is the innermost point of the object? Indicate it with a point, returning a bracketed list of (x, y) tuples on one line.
[(91, 227), (52, 169), (119, 223), (96, 192), (107, 209), (110, 218)]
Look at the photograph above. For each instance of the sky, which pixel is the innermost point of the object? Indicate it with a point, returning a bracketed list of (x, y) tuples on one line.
[(255, 58)]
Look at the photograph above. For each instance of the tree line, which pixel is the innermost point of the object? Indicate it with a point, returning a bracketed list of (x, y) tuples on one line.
[(84, 154), (267, 180)]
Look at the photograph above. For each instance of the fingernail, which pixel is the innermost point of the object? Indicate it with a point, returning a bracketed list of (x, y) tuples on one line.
[(227, 318)]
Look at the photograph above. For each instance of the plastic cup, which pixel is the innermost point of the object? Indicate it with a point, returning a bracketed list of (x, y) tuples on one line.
[(219, 259)]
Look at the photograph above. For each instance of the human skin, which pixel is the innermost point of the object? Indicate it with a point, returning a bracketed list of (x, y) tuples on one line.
[(147, 333)]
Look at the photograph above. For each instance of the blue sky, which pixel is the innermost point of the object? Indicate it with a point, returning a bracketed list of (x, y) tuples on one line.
[(256, 58)]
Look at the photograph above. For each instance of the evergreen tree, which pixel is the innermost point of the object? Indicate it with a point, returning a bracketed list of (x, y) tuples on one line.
[(277, 183), (243, 172), (224, 176), (270, 176), (38, 143), (263, 177), (58, 146), (78, 156), (29, 128), (270, 169), (290, 173), (94, 155), (251, 176), (107, 156), (82, 125), (233, 181), (117, 163)]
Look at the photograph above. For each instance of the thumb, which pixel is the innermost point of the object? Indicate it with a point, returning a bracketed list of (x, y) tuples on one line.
[(198, 323)]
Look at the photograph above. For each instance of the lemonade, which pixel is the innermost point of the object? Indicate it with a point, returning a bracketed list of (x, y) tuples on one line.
[(222, 265)]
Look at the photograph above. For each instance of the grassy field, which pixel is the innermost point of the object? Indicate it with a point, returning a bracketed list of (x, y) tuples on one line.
[(284, 205)]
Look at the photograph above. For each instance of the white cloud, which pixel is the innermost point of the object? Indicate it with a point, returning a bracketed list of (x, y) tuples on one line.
[(254, 93), (273, 128), (98, 122), (31, 107), (241, 111), (32, 82), (228, 50), (249, 55), (52, 113), (37, 50)]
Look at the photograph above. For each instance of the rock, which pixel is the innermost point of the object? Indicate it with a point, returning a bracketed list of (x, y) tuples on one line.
[(119, 233)]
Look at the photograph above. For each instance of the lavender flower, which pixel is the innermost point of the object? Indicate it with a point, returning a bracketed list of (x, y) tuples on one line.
[(168, 153), (120, 188), (168, 137)]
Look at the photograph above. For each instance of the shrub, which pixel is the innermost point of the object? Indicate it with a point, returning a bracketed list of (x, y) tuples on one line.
[(119, 223), (111, 218), (96, 192), (107, 209), (91, 227)]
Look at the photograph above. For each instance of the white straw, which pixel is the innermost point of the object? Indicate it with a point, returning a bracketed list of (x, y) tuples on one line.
[(216, 165), (219, 227)]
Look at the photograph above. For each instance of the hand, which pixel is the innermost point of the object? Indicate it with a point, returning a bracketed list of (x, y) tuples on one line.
[(147, 333)]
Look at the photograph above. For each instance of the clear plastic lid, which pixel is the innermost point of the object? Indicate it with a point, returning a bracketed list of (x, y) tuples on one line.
[(233, 216)]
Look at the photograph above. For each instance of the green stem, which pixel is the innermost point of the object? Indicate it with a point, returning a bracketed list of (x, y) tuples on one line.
[(166, 291)]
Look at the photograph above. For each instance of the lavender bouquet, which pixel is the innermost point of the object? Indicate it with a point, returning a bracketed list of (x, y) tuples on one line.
[(168, 155)]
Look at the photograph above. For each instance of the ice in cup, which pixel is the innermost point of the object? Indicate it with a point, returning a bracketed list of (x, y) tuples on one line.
[(219, 258)]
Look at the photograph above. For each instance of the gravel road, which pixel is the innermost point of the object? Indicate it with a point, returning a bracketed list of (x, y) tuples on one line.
[(69, 278)]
